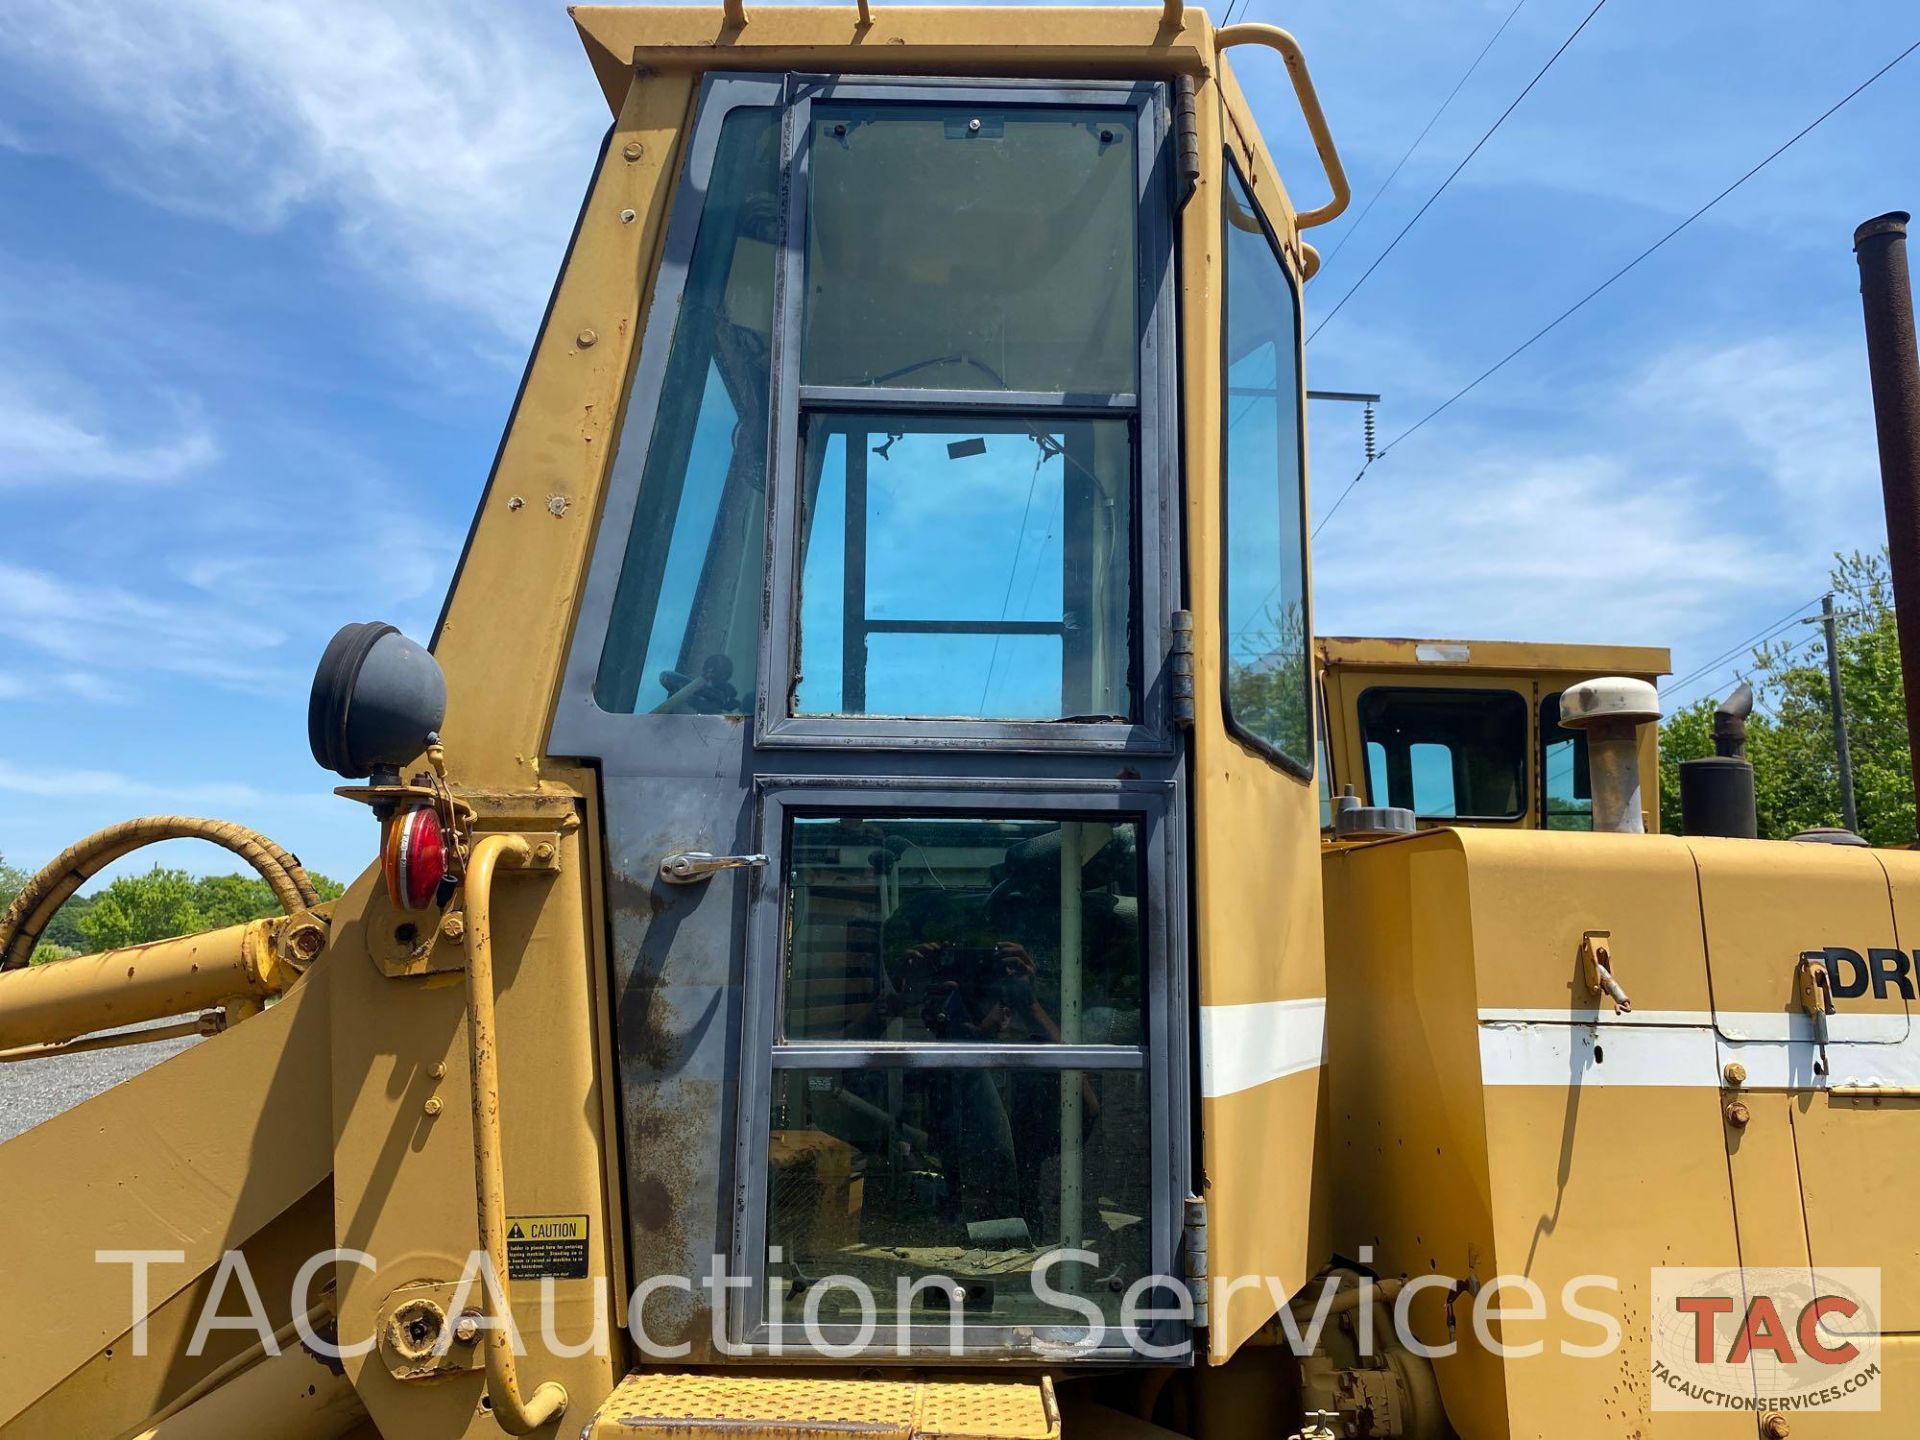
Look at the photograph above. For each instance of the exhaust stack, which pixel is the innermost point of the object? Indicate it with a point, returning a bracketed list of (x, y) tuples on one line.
[(1611, 710), (1716, 793), (1886, 297)]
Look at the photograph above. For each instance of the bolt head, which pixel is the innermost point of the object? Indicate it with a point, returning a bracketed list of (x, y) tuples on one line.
[(543, 852), (307, 941), (632, 150), (627, 217), (435, 1105), (438, 1070), (1738, 1115), (1736, 1074), (973, 126), (453, 926), (466, 1328), (1775, 1427), (586, 339)]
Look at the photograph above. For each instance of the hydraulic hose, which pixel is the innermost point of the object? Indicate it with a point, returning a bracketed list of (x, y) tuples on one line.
[(36, 904)]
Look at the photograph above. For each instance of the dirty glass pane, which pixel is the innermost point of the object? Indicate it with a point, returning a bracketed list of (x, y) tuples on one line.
[(972, 247), (972, 567), (1567, 800), (962, 1177), (1268, 676), (1446, 754), (686, 617), (958, 930)]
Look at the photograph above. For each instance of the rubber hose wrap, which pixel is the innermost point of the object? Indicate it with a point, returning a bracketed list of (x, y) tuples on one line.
[(41, 898)]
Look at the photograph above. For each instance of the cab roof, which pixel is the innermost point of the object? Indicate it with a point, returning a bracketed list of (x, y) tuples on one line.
[(1069, 41), (1383, 653)]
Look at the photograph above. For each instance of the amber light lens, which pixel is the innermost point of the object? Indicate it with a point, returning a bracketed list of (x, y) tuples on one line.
[(416, 858)]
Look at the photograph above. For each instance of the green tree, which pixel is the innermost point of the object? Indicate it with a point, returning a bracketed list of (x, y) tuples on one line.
[(137, 908), (1790, 736)]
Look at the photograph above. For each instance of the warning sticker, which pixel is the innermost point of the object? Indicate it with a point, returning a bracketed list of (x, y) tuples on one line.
[(542, 1246)]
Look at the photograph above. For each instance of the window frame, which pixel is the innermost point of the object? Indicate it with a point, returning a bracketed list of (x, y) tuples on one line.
[(1301, 770), (1162, 1054), (580, 725), (1487, 692), (1152, 411)]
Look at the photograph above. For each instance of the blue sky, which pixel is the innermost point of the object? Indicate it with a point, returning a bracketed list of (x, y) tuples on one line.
[(268, 274)]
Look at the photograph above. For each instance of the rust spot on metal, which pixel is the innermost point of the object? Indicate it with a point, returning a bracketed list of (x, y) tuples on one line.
[(328, 1332), (645, 1029), (652, 1205)]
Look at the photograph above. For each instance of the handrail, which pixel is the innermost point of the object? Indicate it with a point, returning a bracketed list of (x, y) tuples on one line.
[(515, 1415), (1274, 38)]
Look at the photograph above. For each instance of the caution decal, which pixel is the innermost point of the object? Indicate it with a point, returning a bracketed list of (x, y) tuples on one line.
[(546, 1246)]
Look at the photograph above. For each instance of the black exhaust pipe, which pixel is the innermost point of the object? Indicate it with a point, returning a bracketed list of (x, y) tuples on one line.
[(1716, 793), (1886, 297)]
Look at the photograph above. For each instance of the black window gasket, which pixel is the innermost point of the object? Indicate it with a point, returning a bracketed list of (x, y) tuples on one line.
[(1302, 770)]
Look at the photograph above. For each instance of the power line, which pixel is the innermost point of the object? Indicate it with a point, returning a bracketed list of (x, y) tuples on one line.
[(1797, 648), (1458, 168), (1393, 175), (1605, 284), (1342, 500), (1759, 637)]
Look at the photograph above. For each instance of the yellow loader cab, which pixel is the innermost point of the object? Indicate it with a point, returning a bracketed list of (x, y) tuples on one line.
[(849, 951), (1468, 732)]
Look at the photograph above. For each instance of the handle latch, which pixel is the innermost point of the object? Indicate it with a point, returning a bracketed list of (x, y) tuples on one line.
[(690, 867)]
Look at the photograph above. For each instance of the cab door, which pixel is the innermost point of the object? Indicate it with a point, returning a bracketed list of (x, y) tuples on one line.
[(873, 661)]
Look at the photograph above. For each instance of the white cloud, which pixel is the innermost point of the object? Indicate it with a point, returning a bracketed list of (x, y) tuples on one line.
[(61, 685), (108, 626), (447, 144), (1676, 507), (53, 783), (1799, 412), (42, 440)]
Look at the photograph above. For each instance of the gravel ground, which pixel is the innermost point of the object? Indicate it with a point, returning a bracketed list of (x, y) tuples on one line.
[(35, 1090)]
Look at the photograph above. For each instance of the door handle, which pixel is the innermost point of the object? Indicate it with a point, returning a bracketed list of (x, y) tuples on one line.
[(690, 867)]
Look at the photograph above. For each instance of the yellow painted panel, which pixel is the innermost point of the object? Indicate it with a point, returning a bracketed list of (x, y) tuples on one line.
[(1256, 875), (1587, 1181), (1766, 1178), (1765, 903), (1536, 893), (195, 1155), (1859, 1160)]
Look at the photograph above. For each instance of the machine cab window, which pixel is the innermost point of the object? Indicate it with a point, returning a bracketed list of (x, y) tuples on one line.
[(1446, 754)]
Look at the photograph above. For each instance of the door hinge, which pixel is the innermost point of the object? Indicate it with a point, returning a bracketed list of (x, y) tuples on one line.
[(1182, 657), (1194, 1242), (1186, 141)]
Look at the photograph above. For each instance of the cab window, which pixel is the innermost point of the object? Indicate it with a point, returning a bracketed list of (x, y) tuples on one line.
[(1566, 787), (969, 413), (684, 632), (1446, 754), (1010, 938), (1268, 678)]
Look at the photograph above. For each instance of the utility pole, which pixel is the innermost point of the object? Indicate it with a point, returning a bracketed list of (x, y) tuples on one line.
[(1850, 816)]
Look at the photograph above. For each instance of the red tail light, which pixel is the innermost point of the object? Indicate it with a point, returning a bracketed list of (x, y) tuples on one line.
[(416, 858)]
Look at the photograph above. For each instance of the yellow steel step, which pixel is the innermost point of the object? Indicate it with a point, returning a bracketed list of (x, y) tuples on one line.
[(780, 1405)]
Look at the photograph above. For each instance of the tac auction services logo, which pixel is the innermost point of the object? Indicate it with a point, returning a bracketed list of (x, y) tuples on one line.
[(1767, 1340)]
